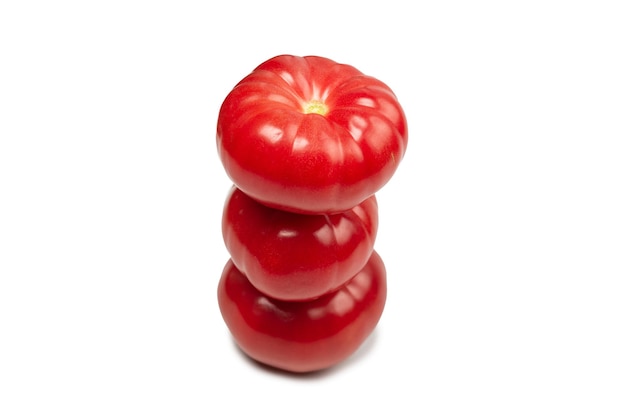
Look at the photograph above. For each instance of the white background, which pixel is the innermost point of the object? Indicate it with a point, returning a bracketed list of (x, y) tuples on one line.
[(503, 231)]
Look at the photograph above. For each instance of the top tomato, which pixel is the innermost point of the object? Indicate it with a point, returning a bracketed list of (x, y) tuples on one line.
[(309, 135)]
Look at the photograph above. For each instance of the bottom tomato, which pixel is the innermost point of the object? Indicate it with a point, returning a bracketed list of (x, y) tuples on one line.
[(303, 336)]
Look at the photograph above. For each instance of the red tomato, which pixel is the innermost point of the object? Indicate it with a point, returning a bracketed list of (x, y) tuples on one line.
[(292, 256), (309, 135), (303, 336)]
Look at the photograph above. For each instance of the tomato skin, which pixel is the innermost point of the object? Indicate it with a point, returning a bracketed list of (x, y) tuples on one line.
[(303, 336), (308, 162), (291, 256)]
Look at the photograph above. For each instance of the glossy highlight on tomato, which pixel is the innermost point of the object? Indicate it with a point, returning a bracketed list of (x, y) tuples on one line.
[(310, 135), (303, 336), (291, 256)]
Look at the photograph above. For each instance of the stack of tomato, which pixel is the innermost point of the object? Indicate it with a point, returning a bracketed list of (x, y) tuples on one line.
[(307, 142)]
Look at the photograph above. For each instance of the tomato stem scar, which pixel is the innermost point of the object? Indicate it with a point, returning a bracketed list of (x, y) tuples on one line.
[(315, 106)]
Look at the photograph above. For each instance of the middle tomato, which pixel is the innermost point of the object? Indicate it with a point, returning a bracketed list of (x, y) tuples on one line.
[(291, 256)]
